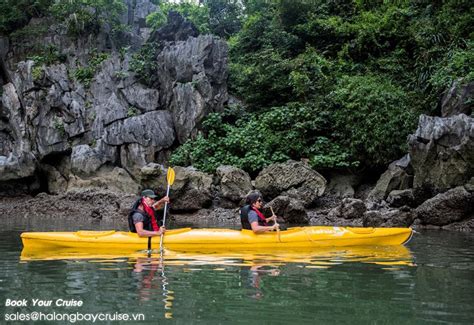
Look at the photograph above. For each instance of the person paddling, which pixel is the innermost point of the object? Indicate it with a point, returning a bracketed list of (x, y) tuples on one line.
[(253, 219), (143, 218)]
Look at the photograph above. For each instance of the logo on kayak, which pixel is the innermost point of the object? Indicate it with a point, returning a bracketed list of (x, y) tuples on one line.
[(336, 231)]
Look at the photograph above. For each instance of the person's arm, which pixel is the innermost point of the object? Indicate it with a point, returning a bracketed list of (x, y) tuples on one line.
[(272, 218), (147, 233), (259, 229), (160, 203)]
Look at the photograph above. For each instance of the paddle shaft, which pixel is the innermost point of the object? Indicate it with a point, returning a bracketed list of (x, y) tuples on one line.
[(164, 216)]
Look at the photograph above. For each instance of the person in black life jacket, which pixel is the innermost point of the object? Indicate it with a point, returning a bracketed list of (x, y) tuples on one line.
[(253, 219), (143, 218)]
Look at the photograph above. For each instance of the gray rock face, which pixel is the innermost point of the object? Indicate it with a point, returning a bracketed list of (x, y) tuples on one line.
[(277, 178), (16, 160), (234, 183), (399, 198), (388, 218), (289, 209), (115, 121), (396, 177), (192, 77), (191, 190), (111, 179), (442, 151), (342, 185), (457, 100), (177, 29), (348, 209), (454, 205)]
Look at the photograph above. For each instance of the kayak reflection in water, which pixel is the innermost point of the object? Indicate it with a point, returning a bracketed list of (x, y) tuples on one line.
[(144, 218), (253, 219)]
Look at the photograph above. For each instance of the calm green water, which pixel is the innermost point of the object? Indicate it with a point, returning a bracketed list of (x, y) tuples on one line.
[(432, 282)]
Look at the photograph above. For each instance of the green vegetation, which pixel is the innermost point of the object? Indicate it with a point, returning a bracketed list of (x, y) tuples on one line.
[(85, 74), (338, 82), (58, 124), (144, 64), (15, 14), (84, 16), (47, 55), (80, 17), (132, 111)]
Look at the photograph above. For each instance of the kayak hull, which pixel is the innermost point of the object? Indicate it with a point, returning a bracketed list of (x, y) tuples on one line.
[(187, 239)]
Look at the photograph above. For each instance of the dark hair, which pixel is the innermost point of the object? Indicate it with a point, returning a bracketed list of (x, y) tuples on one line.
[(252, 198)]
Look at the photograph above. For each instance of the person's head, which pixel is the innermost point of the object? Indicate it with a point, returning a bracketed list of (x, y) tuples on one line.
[(255, 200), (149, 196)]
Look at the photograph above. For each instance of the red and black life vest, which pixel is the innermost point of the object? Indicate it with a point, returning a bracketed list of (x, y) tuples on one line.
[(147, 219), (244, 217)]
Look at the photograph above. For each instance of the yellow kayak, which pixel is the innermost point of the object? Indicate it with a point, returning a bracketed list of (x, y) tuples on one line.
[(187, 239)]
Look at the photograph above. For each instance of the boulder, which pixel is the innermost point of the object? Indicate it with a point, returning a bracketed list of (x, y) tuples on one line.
[(106, 178), (442, 151), (457, 99), (388, 218), (454, 205), (234, 183), (153, 176), (86, 161), (396, 177), (57, 182), (399, 198), (288, 209), (176, 29), (191, 191), (307, 183), (348, 209), (342, 185)]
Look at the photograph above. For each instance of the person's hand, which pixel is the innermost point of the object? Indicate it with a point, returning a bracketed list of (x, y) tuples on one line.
[(162, 230), (275, 227), (161, 201), (272, 218)]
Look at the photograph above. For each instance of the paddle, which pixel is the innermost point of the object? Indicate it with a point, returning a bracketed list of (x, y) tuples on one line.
[(278, 228), (170, 179)]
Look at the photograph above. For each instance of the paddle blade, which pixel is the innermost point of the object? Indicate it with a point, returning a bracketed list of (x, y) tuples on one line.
[(170, 176)]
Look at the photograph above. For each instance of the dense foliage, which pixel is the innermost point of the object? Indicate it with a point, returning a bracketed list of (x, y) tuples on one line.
[(338, 82)]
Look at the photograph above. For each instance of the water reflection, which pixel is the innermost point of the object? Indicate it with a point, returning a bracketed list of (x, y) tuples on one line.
[(153, 277), (323, 257)]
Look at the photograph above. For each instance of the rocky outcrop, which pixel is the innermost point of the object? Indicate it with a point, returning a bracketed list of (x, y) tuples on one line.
[(457, 99), (442, 151), (388, 218), (342, 184), (452, 206), (80, 205), (289, 210), (399, 198), (296, 178), (192, 76), (348, 209), (111, 120), (397, 177), (192, 190), (177, 29), (234, 184)]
